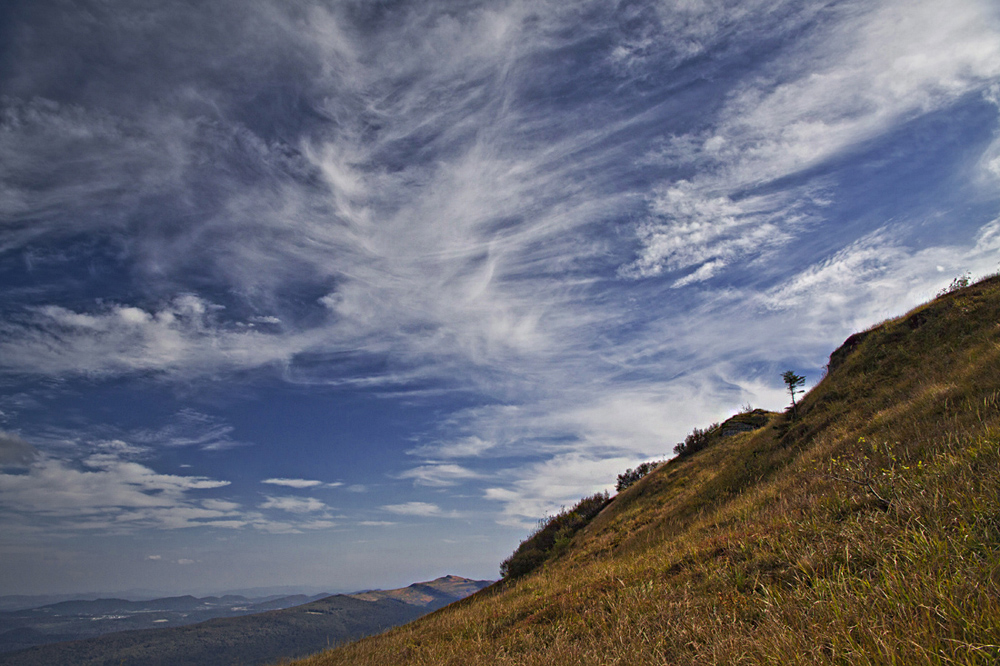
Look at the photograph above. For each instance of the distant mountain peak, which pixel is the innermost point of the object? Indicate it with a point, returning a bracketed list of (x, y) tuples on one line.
[(432, 593)]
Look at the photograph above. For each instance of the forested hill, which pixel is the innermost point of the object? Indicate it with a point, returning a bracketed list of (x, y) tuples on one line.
[(862, 529)]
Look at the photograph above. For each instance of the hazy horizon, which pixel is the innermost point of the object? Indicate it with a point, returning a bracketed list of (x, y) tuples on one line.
[(143, 594), (353, 292)]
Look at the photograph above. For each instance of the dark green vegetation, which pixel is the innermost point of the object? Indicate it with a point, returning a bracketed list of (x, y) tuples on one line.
[(630, 476), (258, 638), (552, 537), (746, 421), (864, 531), (81, 618)]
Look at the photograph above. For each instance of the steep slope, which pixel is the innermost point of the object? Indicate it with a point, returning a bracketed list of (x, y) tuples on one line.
[(865, 530), (258, 638)]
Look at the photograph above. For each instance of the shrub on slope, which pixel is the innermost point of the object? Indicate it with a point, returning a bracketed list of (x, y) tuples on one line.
[(552, 537)]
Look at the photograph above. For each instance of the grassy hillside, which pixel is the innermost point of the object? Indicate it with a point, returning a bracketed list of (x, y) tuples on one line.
[(864, 531)]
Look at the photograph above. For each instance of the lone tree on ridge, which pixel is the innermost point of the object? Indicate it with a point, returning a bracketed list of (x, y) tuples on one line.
[(793, 382)]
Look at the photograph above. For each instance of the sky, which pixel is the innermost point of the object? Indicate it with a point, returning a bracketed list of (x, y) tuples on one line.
[(350, 293)]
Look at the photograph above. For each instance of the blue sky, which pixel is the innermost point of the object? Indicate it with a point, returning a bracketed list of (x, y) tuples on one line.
[(349, 294)]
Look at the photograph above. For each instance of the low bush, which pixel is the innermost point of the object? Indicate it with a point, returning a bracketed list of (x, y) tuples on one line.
[(552, 536), (696, 441), (959, 283), (630, 476)]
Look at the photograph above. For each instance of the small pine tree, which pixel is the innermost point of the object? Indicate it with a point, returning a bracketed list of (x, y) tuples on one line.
[(793, 382)]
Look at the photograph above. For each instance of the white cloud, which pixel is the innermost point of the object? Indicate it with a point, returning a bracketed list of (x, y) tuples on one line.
[(580, 442), (294, 504), (694, 226), (14, 451), (189, 427), (119, 448), (470, 263), (873, 69), (704, 272), (420, 509), (183, 335), (875, 278), (464, 447), (106, 491), (467, 267), (439, 476), (220, 505), (632, 420), (989, 163), (870, 71), (113, 158), (557, 483), (293, 483), (988, 238), (839, 277), (424, 268), (454, 229)]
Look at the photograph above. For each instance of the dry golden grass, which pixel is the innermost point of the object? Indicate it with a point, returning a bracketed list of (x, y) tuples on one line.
[(866, 531)]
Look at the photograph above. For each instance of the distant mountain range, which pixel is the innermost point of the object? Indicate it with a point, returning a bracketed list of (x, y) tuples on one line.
[(15, 602), (87, 618), (431, 595), (212, 630)]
